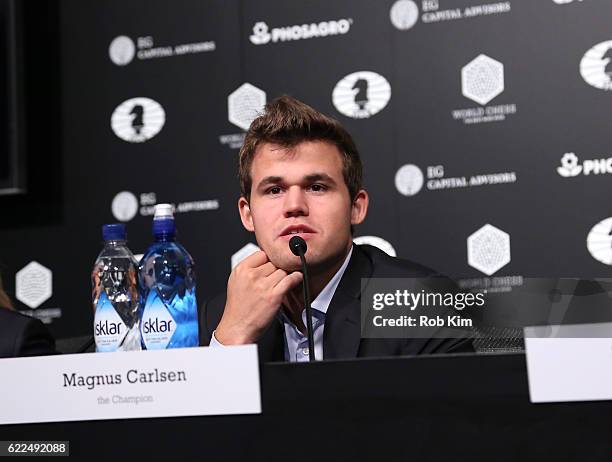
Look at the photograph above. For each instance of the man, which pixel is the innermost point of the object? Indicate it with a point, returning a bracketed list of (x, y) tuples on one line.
[(301, 174), (21, 335)]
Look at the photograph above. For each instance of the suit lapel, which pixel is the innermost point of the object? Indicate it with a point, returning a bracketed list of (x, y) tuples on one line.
[(271, 345), (342, 333)]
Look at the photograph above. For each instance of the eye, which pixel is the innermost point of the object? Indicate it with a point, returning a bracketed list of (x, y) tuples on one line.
[(318, 187), (274, 190)]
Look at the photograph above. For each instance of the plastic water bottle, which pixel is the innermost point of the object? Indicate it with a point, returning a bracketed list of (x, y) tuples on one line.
[(167, 281), (115, 294)]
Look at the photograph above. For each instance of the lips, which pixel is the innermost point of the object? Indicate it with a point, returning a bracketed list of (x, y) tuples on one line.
[(303, 231)]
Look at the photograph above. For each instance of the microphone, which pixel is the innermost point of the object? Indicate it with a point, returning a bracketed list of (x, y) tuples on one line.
[(298, 247)]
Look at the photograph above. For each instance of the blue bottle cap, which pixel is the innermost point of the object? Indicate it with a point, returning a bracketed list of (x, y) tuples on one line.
[(114, 232)]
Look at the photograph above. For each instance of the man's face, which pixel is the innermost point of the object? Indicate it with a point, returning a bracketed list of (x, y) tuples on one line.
[(301, 191)]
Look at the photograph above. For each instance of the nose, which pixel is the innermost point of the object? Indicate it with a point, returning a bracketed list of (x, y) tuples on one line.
[(295, 204)]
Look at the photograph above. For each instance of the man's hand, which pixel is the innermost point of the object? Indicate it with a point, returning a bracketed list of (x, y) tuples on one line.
[(255, 291)]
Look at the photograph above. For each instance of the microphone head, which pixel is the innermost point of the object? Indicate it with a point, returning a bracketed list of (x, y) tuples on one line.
[(298, 246)]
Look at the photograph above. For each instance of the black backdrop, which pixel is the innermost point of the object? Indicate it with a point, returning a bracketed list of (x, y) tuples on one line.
[(530, 74)]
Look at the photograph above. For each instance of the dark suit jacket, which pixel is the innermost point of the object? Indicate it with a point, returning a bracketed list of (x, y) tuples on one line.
[(342, 335), (21, 335)]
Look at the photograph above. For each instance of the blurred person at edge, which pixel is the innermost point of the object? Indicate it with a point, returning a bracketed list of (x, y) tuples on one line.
[(21, 335), (301, 174)]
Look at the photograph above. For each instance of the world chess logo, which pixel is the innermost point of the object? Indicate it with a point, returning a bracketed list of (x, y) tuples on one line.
[(138, 119), (122, 50), (404, 14), (361, 95), (596, 66), (599, 241), (482, 79), (488, 249), (245, 104)]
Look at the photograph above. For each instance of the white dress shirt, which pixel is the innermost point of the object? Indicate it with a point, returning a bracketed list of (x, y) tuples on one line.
[(296, 343)]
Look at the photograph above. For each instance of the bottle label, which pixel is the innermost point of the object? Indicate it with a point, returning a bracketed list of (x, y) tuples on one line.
[(109, 328), (158, 325)]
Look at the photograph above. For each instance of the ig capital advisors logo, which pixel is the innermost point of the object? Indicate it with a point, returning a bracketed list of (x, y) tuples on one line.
[(409, 179), (125, 206), (571, 166), (361, 95), (262, 35), (138, 119), (122, 50), (482, 80), (596, 66), (404, 14)]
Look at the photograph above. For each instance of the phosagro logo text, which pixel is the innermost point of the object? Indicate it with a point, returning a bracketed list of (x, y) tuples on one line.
[(263, 35), (570, 166)]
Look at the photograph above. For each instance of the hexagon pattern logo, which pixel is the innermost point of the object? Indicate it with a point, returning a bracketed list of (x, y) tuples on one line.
[(244, 104), (482, 79), (33, 284), (488, 249), (244, 252)]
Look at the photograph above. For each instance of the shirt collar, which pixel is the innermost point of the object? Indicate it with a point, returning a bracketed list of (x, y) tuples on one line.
[(321, 303)]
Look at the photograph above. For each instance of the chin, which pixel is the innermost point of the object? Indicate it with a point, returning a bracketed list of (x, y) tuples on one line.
[(288, 263), (293, 267)]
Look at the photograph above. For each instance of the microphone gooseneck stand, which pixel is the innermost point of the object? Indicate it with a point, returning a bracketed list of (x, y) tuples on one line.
[(299, 248)]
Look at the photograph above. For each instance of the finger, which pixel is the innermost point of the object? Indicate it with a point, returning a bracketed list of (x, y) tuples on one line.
[(256, 259), (265, 270), (288, 283), (276, 277)]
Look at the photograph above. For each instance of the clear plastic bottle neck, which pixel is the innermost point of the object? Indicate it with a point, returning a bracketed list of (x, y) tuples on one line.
[(164, 237), (115, 243)]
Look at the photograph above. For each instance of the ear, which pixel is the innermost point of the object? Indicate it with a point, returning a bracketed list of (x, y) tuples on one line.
[(244, 209), (359, 207)]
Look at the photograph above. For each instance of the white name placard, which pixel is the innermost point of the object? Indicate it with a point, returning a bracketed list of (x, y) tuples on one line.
[(163, 383), (569, 363)]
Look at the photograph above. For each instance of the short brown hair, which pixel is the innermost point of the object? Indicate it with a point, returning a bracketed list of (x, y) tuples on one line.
[(288, 122)]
